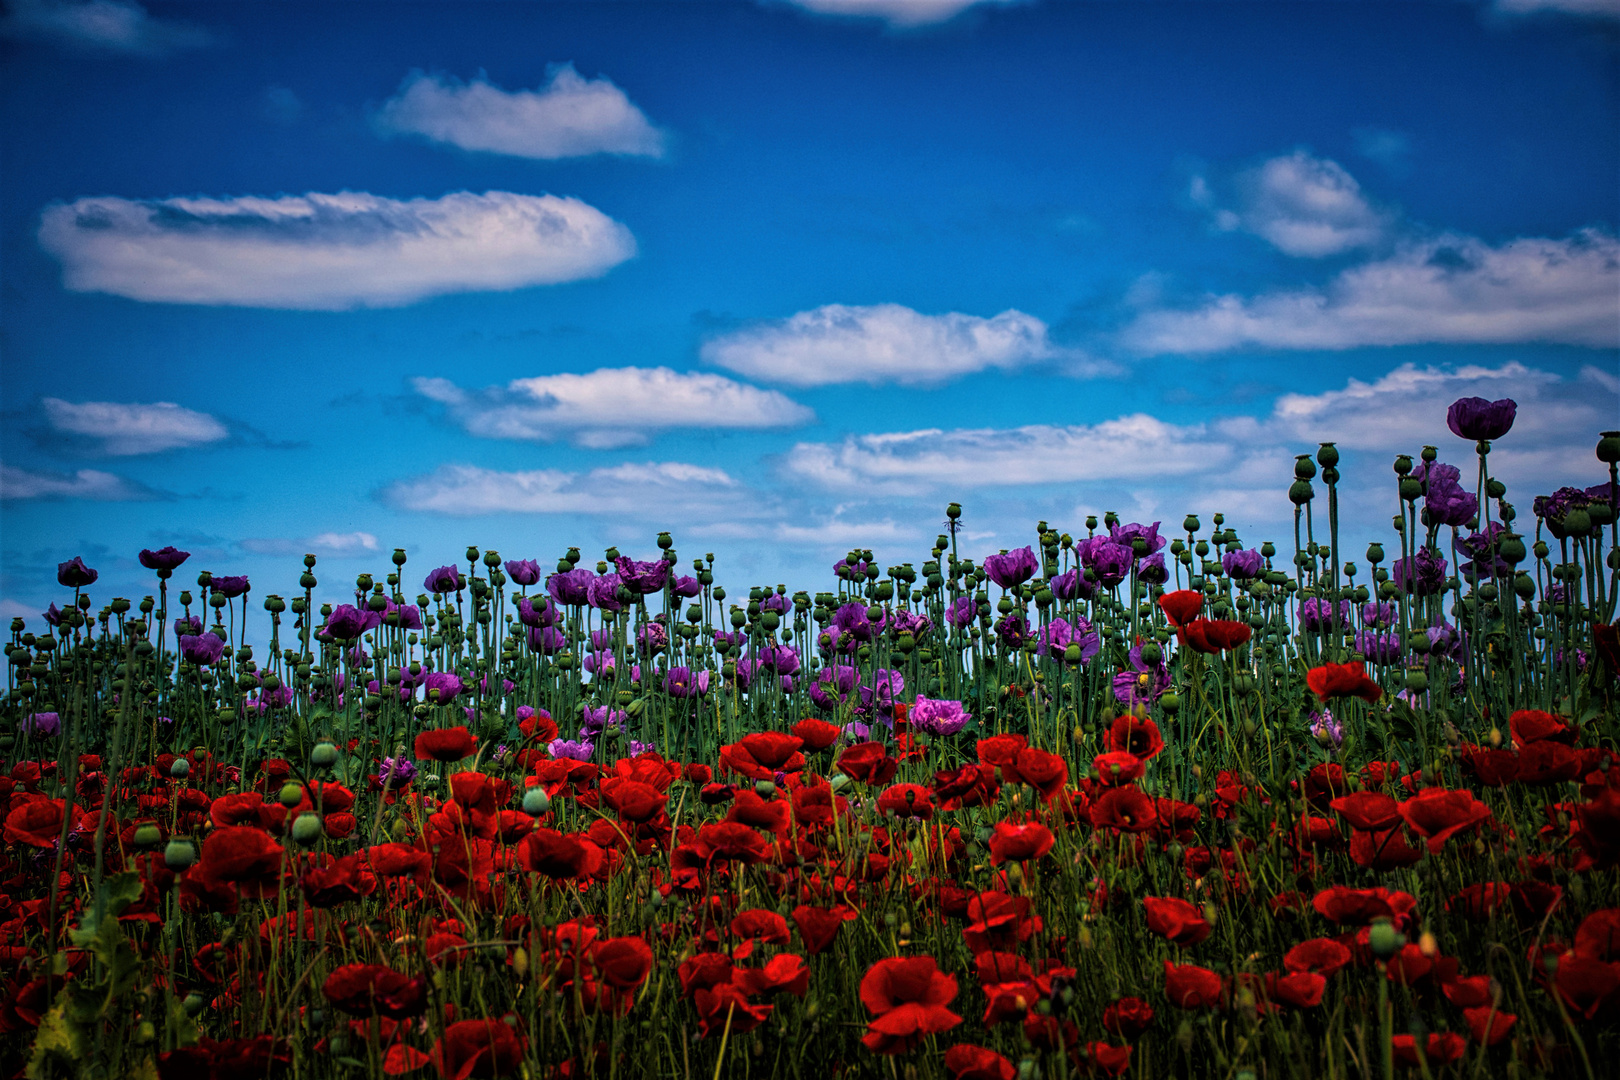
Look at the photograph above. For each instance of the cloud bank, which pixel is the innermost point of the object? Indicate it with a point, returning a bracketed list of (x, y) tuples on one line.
[(325, 252), (1303, 205), (120, 429), (113, 26), (568, 116), (901, 14), (93, 485), (651, 489)]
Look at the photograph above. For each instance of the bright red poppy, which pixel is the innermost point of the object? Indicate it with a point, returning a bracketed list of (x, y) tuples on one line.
[(1175, 920), (446, 744), (907, 995), (1212, 636), (1439, 814), (1343, 680), (1182, 606)]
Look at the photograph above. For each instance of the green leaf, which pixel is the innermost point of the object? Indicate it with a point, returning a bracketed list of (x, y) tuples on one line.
[(60, 1045)]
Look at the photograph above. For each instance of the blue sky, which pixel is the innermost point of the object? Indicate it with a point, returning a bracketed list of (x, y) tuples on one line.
[(782, 278)]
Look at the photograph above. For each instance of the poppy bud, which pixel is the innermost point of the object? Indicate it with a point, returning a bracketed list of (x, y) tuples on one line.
[(180, 769), (536, 801), (1384, 940), (180, 854), (1300, 493), (193, 1003), (1327, 455), (307, 829), (324, 756), (764, 788), (292, 793), (148, 834), (1304, 467)]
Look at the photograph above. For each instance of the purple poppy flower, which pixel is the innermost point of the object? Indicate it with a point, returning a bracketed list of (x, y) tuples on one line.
[(187, 624), (1555, 508), (163, 560), (1421, 575), (345, 623), (642, 577), (639, 748), (1315, 614), (855, 731), (909, 622), (834, 683), (448, 684), (571, 587), (202, 649), (404, 616), (596, 663), (1072, 585), (444, 580), (1111, 562), (686, 586), (849, 628), (780, 659), (682, 682), (592, 722), (725, 639), (230, 587), (1143, 682), (1444, 500), (1380, 614), (523, 571), (1447, 641), (1326, 729), (53, 616), (1479, 546), (962, 612), (1011, 567), (1475, 418), (1060, 633), (1244, 565), (547, 639), (42, 723), (578, 750), (396, 772), (604, 593), (886, 684), (1127, 535), (776, 602), (1152, 571), (507, 685), (935, 717), (73, 574), (1380, 646), (530, 615), (652, 638), (849, 571), (1013, 629)]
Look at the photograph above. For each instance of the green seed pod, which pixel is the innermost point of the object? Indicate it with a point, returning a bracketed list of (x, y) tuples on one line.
[(307, 829), (180, 854)]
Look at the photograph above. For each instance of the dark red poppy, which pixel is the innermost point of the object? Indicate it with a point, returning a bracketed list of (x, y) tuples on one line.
[(734, 841), (633, 800), (868, 762), (1101, 1059), (1343, 680), (1532, 901), (241, 853), (1128, 1017), (1368, 810), (968, 786), (1359, 907), (1126, 809), (1585, 985), (1533, 725), (447, 744), (1439, 814), (1189, 986), (1548, 762), (1383, 851), (726, 1006), (1321, 955), (37, 823), (762, 755), (1477, 901), (1175, 920), (1019, 843), (816, 735), (1441, 1049), (481, 1048), (1296, 989), (358, 989), (1182, 606), (1488, 1026), (784, 973), (1132, 734), (1118, 767), (907, 995), (560, 855), (346, 880), (818, 927), (623, 962), (1493, 768), (1001, 751), (1599, 936), (998, 921), (964, 1061), (1212, 636), (1598, 831)]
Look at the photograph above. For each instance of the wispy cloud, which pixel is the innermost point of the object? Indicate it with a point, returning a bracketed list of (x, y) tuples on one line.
[(113, 26), (333, 544), (328, 252), (93, 485), (120, 429), (901, 14), (652, 489), (1444, 289), (1301, 204), (568, 116), (1607, 9), (612, 406), (886, 343)]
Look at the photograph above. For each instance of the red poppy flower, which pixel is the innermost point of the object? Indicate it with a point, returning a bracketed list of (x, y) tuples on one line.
[(1296, 989), (1488, 1026), (1383, 851), (998, 921), (1343, 680), (1102, 1059), (964, 1061), (1493, 768), (623, 962), (240, 853), (1548, 762), (1175, 920), (37, 823), (1585, 985), (1599, 828), (1440, 814), (1359, 907), (784, 973), (1126, 809), (1128, 1017), (907, 801), (762, 755), (633, 800), (358, 989), (345, 880), (1190, 986), (1040, 769), (968, 786), (1442, 1048), (819, 926), (1476, 902), (1321, 955), (724, 1006), (908, 996), (560, 855), (467, 1048), (1599, 936), (868, 762), (1001, 751), (734, 841), (1212, 636), (1132, 734), (1370, 811), (1019, 843), (1533, 725), (1182, 606), (447, 744), (816, 735), (1118, 767)]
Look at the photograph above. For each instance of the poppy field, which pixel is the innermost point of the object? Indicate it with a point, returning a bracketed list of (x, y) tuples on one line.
[(1143, 802)]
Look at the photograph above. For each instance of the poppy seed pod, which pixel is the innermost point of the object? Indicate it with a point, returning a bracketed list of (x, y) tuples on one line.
[(180, 854), (307, 829)]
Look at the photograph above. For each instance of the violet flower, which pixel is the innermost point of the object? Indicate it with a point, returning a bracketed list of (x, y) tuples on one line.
[(1144, 682), (681, 682), (43, 723), (73, 574), (1315, 614), (604, 593), (577, 750), (1423, 574), (163, 560), (571, 587), (1327, 730), (446, 683), (202, 649), (1059, 634), (642, 577), (962, 612), (1011, 568), (1072, 585), (1381, 647), (1243, 565), (1475, 418), (1444, 500), (230, 587), (1127, 535), (936, 717), (444, 580), (524, 572)]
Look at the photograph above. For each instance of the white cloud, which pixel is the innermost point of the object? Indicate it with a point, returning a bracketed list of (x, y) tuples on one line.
[(1389, 148), (569, 116), (1135, 448), (125, 429), (328, 252), (897, 13), (1446, 289), (669, 488), (90, 484), (839, 343), (612, 406), (114, 26), (1601, 8), (331, 544), (1303, 205)]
